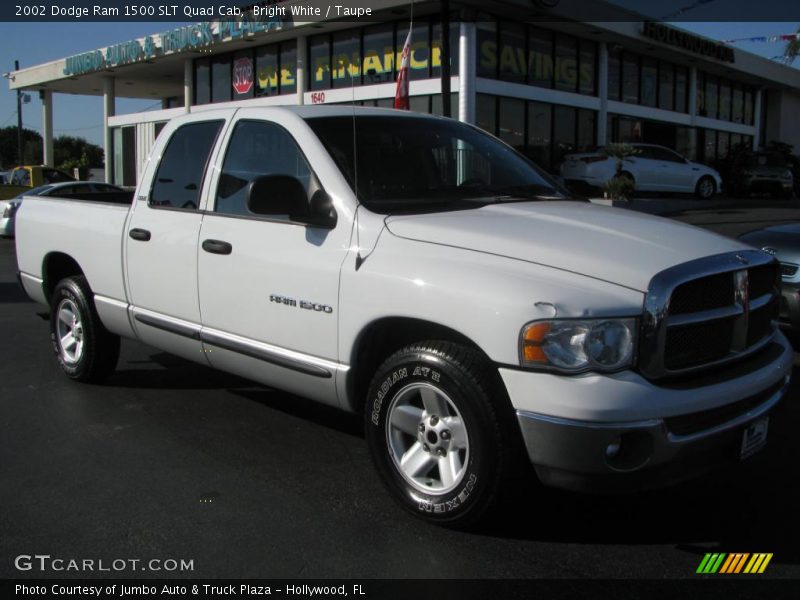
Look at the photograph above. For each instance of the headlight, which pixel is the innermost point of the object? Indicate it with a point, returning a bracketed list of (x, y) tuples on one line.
[(578, 345)]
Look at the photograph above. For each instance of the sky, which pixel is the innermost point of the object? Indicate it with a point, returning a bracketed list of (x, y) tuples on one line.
[(82, 116)]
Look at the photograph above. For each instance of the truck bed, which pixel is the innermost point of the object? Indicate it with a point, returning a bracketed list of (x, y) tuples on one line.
[(88, 231)]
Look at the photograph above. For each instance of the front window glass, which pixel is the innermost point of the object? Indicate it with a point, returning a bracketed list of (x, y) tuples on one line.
[(413, 164), (257, 148)]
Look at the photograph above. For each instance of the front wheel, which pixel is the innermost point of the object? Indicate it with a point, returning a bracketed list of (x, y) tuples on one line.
[(706, 187), (85, 350), (435, 434)]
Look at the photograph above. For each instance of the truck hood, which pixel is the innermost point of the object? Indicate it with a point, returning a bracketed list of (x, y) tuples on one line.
[(614, 245)]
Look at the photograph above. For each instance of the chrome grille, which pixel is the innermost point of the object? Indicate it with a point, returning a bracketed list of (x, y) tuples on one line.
[(708, 312)]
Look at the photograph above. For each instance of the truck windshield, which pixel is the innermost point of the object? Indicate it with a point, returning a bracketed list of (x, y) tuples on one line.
[(410, 164)]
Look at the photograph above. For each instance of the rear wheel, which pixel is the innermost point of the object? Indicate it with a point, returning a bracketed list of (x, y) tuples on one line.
[(706, 187), (434, 433), (85, 350)]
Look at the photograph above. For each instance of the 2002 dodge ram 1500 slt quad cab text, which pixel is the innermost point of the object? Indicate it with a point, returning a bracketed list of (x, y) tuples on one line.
[(421, 272)]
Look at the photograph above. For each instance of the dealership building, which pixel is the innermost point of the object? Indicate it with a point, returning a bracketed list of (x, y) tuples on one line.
[(544, 82)]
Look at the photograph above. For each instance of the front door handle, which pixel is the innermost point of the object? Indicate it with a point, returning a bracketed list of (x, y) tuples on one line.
[(139, 234), (217, 247)]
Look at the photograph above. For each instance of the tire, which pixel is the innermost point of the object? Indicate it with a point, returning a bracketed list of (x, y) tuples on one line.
[(90, 352), (437, 395), (706, 187)]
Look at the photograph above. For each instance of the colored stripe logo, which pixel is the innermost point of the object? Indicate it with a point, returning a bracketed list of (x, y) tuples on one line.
[(734, 563)]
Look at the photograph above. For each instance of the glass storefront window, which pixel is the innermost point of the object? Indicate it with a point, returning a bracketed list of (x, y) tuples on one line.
[(436, 49), (319, 60), (614, 73), (681, 89), (649, 81), (436, 105), (243, 71), (724, 100), (288, 66), (748, 106), (221, 87), (378, 62), (486, 35), (586, 130), (723, 143), (566, 64), (563, 132), (540, 58), (345, 66), (267, 71), (485, 113), (511, 57), (202, 81), (540, 122), (712, 92), (710, 146), (630, 78), (701, 94), (737, 104), (683, 143), (666, 86), (588, 68), (511, 125)]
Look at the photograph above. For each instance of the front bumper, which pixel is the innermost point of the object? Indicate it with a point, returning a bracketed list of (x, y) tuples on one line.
[(656, 449)]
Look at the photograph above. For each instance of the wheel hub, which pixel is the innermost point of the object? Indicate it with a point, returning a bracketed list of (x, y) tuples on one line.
[(434, 436)]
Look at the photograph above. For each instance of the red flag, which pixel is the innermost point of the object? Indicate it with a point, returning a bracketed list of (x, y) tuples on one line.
[(401, 95)]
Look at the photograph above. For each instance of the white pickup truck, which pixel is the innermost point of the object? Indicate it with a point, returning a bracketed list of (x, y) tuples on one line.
[(420, 272)]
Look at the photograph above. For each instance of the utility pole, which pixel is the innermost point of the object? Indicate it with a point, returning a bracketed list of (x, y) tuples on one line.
[(445, 54), (19, 120)]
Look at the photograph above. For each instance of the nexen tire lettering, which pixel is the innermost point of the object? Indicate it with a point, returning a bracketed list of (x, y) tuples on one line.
[(452, 504)]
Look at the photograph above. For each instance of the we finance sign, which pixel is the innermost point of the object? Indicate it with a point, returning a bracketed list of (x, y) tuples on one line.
[(189, 37)]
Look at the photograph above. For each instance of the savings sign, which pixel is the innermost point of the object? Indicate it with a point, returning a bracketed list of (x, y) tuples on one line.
[(242, 75)]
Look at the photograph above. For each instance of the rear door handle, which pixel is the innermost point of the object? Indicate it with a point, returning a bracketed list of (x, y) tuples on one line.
[(139, 234), (217, 247)]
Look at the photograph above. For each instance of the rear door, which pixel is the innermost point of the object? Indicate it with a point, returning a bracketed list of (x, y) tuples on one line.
[(269, 287), (161, 241)]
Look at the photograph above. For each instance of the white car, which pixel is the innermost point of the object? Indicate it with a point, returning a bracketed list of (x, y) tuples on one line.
[(653, 169)]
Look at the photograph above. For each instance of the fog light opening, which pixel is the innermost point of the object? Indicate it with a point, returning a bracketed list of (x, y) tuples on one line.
[(629, 451)]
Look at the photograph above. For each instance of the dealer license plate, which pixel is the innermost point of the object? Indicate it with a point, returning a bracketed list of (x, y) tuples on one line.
[(754, 437)]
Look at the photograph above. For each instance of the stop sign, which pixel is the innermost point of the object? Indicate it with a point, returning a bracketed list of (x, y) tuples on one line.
[(242, 75)]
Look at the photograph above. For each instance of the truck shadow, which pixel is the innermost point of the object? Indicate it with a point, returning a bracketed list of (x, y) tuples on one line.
[(11, 293)]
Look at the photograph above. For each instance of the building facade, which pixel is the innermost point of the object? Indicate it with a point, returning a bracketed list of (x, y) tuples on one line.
[(547, 87)]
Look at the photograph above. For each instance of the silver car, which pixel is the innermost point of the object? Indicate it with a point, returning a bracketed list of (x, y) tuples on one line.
[(783, 242)]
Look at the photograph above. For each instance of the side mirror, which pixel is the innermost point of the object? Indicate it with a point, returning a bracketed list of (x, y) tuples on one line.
[(285, 195)]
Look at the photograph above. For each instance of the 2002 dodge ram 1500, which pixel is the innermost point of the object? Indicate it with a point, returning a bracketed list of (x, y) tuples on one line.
[(423, 273)]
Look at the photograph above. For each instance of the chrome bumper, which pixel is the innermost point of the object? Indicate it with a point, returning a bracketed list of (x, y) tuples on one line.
[(626, 456)]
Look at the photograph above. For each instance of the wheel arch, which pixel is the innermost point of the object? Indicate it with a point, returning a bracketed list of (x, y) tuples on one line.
[(381, 338), (55, 267)]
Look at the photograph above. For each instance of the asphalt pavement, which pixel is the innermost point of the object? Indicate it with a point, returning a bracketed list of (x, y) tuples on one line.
[(173, 460)]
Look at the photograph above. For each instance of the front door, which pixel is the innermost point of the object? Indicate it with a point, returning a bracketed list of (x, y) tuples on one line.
[(268, 286)]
